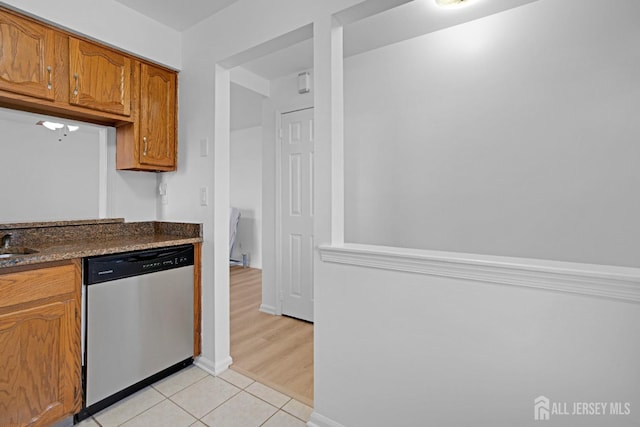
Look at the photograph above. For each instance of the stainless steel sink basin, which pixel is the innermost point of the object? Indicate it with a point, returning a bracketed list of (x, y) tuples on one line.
[(16, 251)]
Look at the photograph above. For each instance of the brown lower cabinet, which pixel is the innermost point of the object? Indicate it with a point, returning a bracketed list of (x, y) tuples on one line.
[(40, 343)]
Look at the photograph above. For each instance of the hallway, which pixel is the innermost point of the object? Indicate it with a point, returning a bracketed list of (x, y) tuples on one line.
[(275, 350)]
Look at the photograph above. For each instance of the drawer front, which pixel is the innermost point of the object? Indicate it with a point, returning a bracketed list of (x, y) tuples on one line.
[(32, 285)]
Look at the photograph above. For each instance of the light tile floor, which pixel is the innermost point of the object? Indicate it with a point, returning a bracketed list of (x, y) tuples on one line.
[(192, 397)]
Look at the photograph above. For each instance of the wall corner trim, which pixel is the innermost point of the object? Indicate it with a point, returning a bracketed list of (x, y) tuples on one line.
[(603, 281), (317, 420)]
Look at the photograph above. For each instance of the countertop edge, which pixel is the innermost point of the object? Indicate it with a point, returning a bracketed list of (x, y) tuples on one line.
[(40, 258), (64, 223)]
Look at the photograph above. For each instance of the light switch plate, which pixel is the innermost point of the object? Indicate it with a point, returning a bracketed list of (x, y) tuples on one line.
[(204, 196), (204, 147)]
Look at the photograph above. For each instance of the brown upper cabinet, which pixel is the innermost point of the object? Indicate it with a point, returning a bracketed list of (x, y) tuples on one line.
[(99, 77), (157, 116), (27, 57), (150, 142), (48, 70)]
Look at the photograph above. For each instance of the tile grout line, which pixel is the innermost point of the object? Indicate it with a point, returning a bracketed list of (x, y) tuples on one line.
[(294, 415), (258, 397), (146, 410), (200, 419), (279, 409), (267, 420)]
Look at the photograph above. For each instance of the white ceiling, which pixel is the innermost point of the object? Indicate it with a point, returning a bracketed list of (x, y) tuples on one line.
[(179, 15), (285, 62), (409, 20)]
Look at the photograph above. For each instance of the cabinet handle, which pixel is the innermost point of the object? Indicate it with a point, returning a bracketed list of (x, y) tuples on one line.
[(50, 84), (144, 150), (75, 91)]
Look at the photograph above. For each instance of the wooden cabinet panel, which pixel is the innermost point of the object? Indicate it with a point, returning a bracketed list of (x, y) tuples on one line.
[(26, 57), (35, 284), (150, 142), (157, 116), (99, 78), (197, 299), (40, 349)]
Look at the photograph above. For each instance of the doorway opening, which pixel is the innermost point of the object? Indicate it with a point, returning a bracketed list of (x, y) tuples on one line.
[(265, 345)]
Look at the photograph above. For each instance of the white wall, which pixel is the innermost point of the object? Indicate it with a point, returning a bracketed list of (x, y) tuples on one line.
[(512, 135), (44, 179), (246, 192), (111, 23), (246, 108), (405, 349), (131, 195)]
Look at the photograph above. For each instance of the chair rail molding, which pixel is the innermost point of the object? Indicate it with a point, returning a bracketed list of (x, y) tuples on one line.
[(604, 281)]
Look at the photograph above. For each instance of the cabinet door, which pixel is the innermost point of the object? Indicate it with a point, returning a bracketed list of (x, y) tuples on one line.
[(157, 116), (26, 57), (99, 78), (38, 380)]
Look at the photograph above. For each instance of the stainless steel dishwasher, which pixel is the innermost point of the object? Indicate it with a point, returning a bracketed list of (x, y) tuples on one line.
[(139, 321)]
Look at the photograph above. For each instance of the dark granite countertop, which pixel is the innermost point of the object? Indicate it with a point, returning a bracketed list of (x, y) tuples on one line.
[(57, 241)]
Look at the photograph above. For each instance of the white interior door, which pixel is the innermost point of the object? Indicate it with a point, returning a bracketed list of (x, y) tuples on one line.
[(297, 214)]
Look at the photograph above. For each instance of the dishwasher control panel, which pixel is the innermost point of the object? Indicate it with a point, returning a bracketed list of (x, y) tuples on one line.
[(105, 268), (177, 261)]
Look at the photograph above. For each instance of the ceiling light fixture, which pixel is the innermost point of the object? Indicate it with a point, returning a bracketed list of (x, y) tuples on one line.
[(50, 125), (452, 3), (57, 126), (63, 129)]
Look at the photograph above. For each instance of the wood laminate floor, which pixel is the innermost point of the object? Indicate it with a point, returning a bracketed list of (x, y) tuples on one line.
[(274, 350)]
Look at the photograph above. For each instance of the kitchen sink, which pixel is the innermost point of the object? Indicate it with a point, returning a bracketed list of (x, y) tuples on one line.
[(16, 251)]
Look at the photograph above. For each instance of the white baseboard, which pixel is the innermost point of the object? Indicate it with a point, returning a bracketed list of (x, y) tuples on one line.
[(205, 364), (211, 367), (317, 420), (268, 309)]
